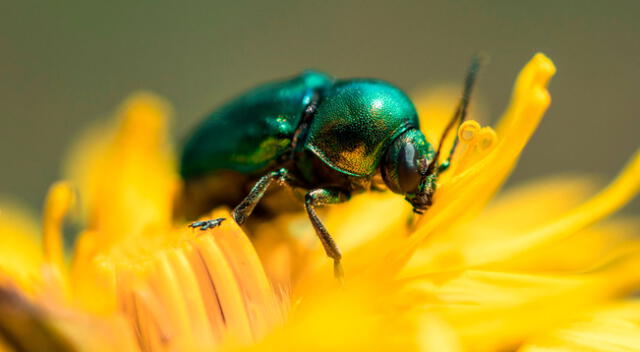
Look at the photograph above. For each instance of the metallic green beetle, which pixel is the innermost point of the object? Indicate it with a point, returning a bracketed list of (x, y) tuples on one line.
[(329, 138)]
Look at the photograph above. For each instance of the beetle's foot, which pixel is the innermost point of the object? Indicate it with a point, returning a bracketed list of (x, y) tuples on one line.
[(239, 216), (207, 224), (337, 270)]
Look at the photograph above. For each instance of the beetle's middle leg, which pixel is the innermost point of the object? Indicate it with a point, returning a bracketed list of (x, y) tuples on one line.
[(245, 208), (320, 197)]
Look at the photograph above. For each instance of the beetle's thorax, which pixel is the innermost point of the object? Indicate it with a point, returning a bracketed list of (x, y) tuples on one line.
[(311, 171), (354, 123)]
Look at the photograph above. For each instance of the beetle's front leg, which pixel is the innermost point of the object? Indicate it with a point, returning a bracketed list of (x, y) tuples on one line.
[(320, 197), (245, 208)]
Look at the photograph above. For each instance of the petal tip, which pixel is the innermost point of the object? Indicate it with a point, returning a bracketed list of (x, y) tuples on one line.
[(488, 138), (145, 111), (544, 67), (469, 130), (60, 199)]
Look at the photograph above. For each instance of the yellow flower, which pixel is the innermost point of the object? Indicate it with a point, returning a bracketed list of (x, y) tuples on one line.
[(528, 270)]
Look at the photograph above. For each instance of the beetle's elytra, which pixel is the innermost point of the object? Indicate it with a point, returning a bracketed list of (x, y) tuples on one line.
[(325, 138)]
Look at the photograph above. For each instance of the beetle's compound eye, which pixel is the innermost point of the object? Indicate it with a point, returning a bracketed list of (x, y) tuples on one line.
[(400, 166), (408, 176)]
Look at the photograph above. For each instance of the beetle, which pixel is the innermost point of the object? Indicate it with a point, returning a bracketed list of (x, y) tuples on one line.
[(328, 138)]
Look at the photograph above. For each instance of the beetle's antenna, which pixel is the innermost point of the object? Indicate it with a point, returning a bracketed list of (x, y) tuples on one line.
[(459, 116)]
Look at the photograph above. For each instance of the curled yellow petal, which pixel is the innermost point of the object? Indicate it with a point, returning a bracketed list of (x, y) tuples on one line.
[(529, 102), (59, 200), (474, 143)]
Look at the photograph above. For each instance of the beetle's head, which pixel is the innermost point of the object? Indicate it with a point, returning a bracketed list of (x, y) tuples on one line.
[(406, 169), (409, 165)]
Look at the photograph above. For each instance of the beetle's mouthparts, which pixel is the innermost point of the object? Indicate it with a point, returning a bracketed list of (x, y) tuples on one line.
[(423, 199)]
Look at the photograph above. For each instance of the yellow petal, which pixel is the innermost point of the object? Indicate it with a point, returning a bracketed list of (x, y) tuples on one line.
[(94, 284), (186, 289), (538, 201), (436, 335), (612, 198), (583, 250), (512, 216), (341, 320), (493, 310), (20, 247), (125, 174), (258, 294), (26, 327), (614, 328)]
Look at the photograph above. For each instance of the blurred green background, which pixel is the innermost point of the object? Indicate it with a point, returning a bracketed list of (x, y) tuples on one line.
[(64, 64)]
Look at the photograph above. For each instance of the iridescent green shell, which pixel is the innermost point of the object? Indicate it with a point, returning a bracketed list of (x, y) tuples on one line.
[(356, 123), (251, 132)]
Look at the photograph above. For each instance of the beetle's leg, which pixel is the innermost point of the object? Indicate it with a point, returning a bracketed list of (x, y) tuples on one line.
[(244, 209), (207, 224), (320, 197)]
